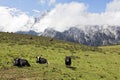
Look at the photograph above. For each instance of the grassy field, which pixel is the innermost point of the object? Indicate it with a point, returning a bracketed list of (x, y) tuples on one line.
[(88, 63)]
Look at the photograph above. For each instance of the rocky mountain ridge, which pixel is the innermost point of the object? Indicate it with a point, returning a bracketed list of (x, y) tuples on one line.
[(89, 35)]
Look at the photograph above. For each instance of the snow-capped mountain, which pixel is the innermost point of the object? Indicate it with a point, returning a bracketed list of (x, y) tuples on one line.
[(89, 35)]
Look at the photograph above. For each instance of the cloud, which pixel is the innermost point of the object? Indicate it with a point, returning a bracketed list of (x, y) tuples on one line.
[(48, 2), (113, 6), (52, 2), (36, 11), (12, 20), (67, 15), (42, 1), (61, 17)]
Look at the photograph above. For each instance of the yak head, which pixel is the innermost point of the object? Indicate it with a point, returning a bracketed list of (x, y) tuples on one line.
[(16, 62)]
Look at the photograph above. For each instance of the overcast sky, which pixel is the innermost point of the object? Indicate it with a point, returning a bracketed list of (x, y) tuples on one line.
[(15, 14)]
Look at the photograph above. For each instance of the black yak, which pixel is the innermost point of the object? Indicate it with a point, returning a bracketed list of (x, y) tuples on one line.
[(41, 60), (20, 62), (67, 60)]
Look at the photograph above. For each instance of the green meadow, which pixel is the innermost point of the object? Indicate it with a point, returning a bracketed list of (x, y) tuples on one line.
[(88, 63)]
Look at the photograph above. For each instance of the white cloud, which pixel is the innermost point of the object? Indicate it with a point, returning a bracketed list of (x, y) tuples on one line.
[(49, 2), (67, 15), (113, 6), (63, 16), (52, 2), (12, 20), (42, 1), (36, 11)]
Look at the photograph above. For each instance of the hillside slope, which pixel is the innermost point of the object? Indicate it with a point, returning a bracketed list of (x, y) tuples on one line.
[(88, 63)]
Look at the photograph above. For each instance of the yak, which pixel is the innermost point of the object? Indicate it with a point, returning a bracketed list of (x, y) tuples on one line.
[(67, 60), (21, 62), (41, 60)]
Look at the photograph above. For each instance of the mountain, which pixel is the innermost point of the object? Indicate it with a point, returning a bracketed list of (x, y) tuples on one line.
[(88, 35), (31, 32)]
